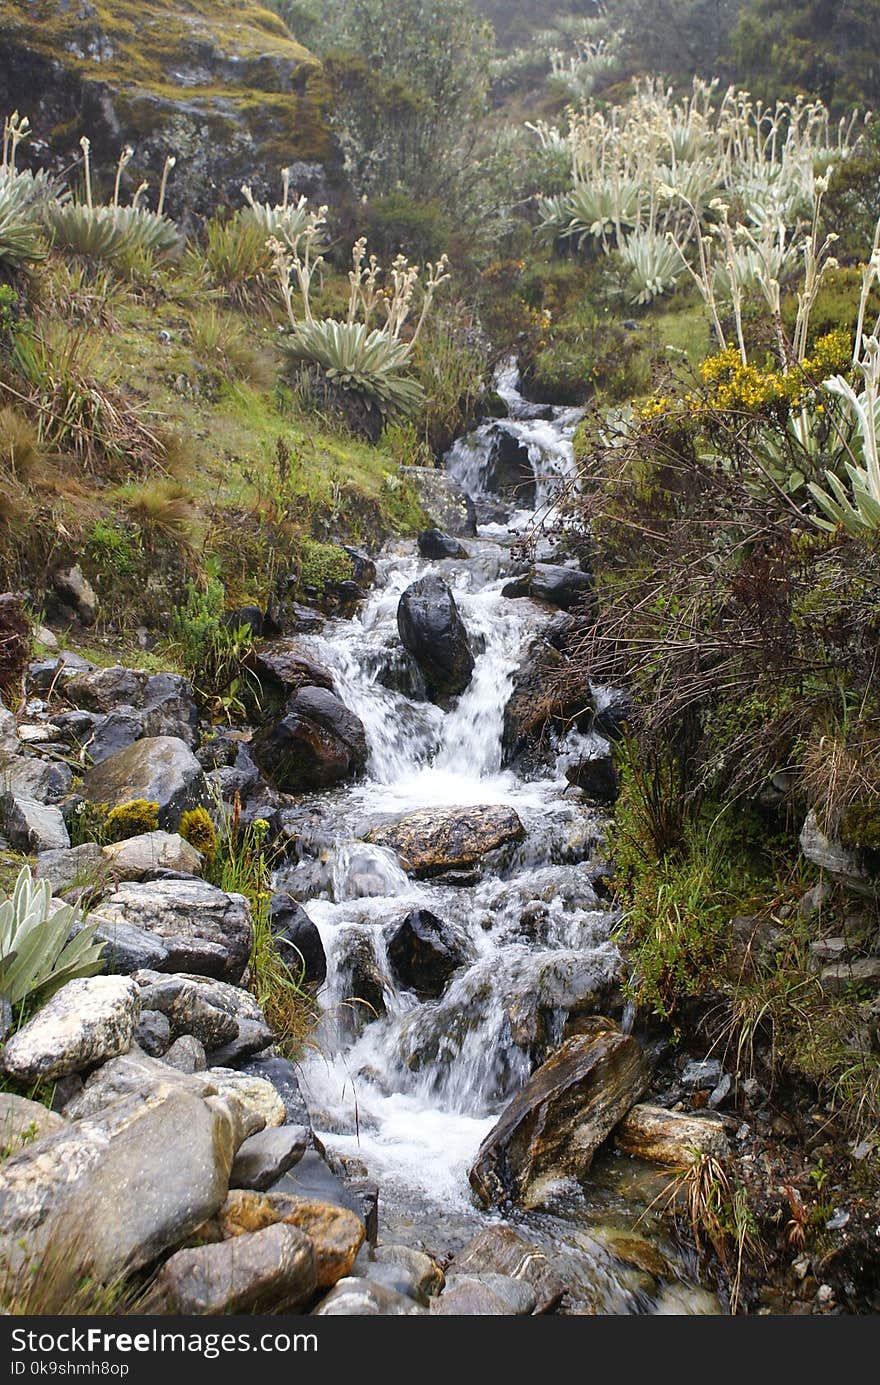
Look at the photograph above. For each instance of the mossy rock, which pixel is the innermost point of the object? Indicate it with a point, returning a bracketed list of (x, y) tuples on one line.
[(219, 84)]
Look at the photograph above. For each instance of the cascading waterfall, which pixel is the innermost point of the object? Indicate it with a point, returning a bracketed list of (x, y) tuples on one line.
[(411, 1091)]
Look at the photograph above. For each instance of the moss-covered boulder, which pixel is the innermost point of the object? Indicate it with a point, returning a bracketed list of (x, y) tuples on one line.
[(218, 83)]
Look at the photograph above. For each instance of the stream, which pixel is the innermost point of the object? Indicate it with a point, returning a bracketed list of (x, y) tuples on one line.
[(409, 1088)]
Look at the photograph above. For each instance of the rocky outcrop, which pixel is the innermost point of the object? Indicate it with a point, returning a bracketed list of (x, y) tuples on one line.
[(317, 744), (846, 864), (597, 778), (86, 1022), (423, 953), (177, 925), (433, 633), (223, 87), (160, 769), (156, 704), (77, 592), (443, 839), (549, 1133)]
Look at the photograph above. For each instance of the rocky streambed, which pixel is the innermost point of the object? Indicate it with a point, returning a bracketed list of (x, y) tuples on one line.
[(469, 1133)]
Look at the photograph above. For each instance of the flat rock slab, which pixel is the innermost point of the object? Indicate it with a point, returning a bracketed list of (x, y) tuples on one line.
[(861, 971), (31, 826), (501, 1250), (137, 856), (185, 925), (485, 1295), (160, 769), (264, 1157), (551, 1129), (85, 1023), (670, 1137), (271, 1270), (440, 839)]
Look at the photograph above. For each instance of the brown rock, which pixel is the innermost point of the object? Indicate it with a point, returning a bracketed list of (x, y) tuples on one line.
[(553, 1127), (337, 1233), (669, 1137), (440, 839), (272, 1269), (501, 1250)]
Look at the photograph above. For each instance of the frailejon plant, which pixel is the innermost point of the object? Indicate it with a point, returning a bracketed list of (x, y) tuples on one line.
[(110, 232), (859, 510), (21, 241), (285, 221), (42, 945), (352, 355)]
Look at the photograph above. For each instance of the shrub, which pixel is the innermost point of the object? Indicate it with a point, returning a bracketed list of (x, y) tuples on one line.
[(131, 820), (321, 564), (37, 953), (235, 259), (213, 651)]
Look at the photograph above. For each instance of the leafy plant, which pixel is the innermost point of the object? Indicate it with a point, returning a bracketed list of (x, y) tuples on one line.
[(652, 264), (353, 358), (213, 650), (38, 955), (859, 511), (235, 258)]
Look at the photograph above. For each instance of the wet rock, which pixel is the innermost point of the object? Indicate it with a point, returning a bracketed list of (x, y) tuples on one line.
[(297, 940), (317, 744), (441, 839), (669, 1137), (337, 1234), (254, 1093), (527, 707), (281, 1074), (510, 472), (565, 587), (423, 953), (550, 1131), (117, 1190), (445, 504), (362, 981), (361, 1298), (283, 668), (253, 1037), (273, 1269), (702, 1074), (188, 925), (502, 1250), (433, 633), (313, 1179), (425, 1275), (363, 569), (88, 1021), (137, 856), (24, 1122), (296, 619), (77, 592), (264, 1157), (32, 827), (598, 779), (160, 769), (153, 1033), (186, 1054), (485, 1295), (437, 546), (26, 776)]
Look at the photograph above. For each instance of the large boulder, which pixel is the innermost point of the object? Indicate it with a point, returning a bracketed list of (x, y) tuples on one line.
[(565, 587), (32, 827), (158, 704), (423, 952), (268, 1154), (24, 1122), (443, 501), (549, 1133), (434, 840), (282, 668), (437, 546), (74, 866), (272, 1269), (433, 633), (317, 744), (160, 769), (85, 1023), (77, 592), (113, 1192), (529, 705), (177, 925), (27, 776), (136, 857), (296, 940), (670, 1137), (502, 1250)]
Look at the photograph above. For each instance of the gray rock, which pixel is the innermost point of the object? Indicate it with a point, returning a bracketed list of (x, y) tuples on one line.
[(443, 501), (846, 865), (424, 1274), (433, 633), (702, 1074), (485, 1295), (264, 1157), (9, 742), (860, 971), (262, 1271), (88, 1021), (33, 827), (73, 867), (77, 592), (281, 1073), (160, 769), (25, 776), (118, 1190), (135, 1075), (111, 733), (197, 927), (252, 1038), (502, 1250), (564, 587), (23, 1123), (159, 704), (186, 1054), (223, 996), (190, 1012), (361, 1298), (317, 744), (313, 1178), (254, 1094), (137, 856), (670, 1137), (153, 1033)]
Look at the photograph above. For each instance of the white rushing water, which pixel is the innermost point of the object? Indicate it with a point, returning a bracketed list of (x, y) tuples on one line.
[(412, 1092)]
